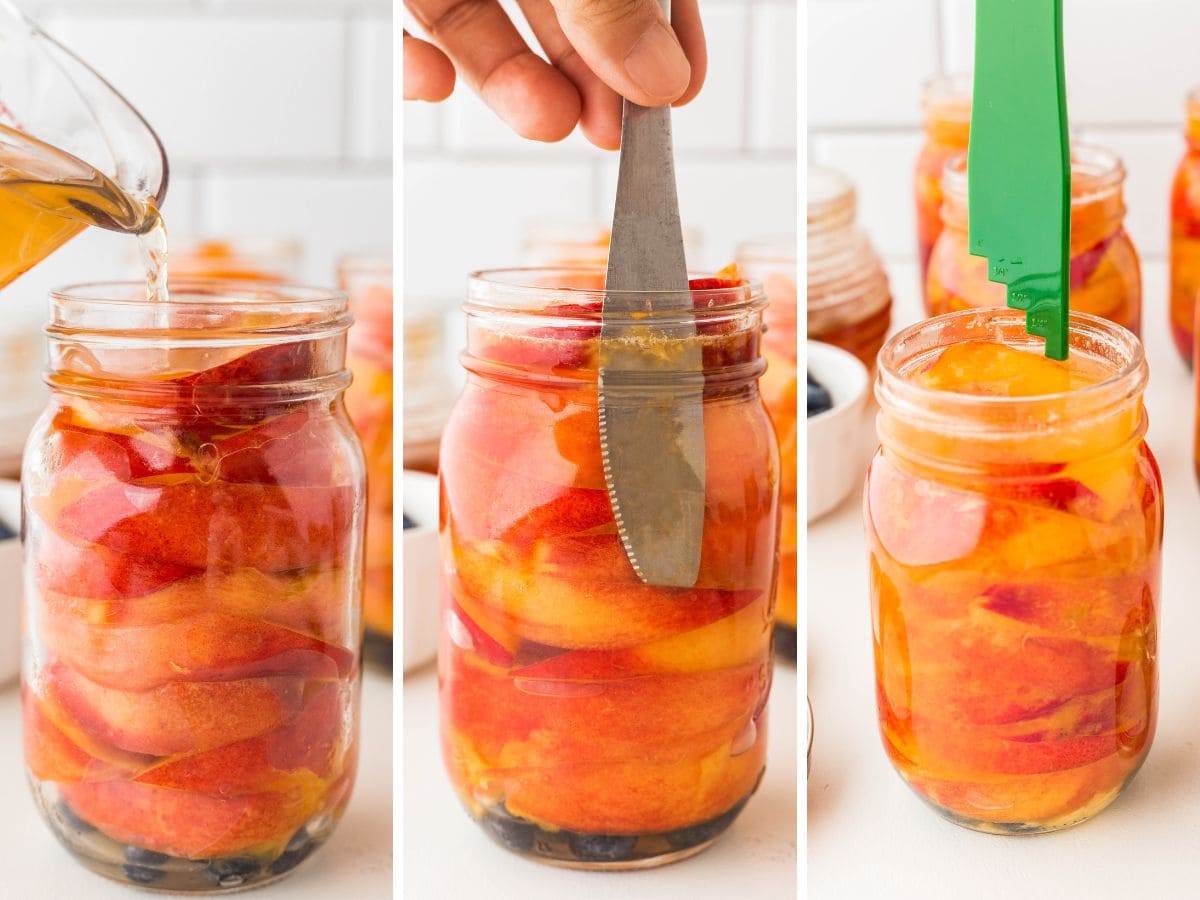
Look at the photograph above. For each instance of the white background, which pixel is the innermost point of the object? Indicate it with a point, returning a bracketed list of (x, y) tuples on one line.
[(276, 116), (1129, 66), (471, 185)]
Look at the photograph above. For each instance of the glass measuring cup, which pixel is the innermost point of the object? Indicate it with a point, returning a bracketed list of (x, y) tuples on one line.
[(73, 151)]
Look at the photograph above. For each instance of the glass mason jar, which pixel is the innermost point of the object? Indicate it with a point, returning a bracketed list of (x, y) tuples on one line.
[(571, 725), (428, 393), (947, 103), (1014, 523), (1105, 278), (1185, 235), (773, 263), (193, 517), (368, 282), (849, 300)]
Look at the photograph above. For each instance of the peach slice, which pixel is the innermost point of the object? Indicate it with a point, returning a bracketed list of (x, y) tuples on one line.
[(578, 593), (539, 716), (297, 448), (51, 754), (310, 603), (313, 741), (217, 524), (94, 571), (189, 825), (205, 647), (180, 717)]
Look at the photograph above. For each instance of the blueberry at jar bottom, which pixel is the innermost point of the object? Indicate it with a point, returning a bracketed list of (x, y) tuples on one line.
[(171, 874), (578, 850)]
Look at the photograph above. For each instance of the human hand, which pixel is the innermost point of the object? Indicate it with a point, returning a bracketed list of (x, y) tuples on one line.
[(599, 51)]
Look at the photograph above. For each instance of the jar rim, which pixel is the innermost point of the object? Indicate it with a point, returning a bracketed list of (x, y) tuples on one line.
[(222, 311), (1095, 173), (948, 96), (516, 290), (1085, 330)]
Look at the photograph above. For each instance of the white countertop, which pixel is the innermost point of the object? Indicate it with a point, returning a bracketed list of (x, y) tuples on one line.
[(356, 863), (868, 834), (447, 856)]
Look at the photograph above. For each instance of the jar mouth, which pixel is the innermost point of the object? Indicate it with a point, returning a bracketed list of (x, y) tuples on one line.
[(214, 312), (1089, 334), (577, 293), (947, 97), (1095, 175)]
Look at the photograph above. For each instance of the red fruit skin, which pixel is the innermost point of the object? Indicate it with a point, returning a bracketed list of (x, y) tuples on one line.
[(207, 647), (199, 525), (96, 572)]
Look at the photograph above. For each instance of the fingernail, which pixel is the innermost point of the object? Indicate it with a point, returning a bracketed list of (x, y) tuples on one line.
[(657, 64)]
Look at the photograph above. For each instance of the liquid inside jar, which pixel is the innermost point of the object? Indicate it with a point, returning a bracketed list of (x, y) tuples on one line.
[(1014, 519), (570, 723)]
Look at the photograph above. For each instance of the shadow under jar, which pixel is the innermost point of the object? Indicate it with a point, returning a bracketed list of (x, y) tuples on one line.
[(773, 262), (588, 719), (849, 299), (193, 503), (368, 282), (1014, 524), (1185, 235), (1105, 275)]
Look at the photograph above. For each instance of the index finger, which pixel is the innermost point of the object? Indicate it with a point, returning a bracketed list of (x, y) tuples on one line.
[(532, 96)]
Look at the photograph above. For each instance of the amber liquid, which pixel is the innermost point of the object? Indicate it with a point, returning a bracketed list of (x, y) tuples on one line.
[(48, 196)]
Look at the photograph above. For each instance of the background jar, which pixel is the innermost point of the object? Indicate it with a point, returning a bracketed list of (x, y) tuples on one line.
[(946, 101), (1105, 275), (568, 688), (1185, 235), (193, 503), (567, 243), (1015, 549), (368, 282), (772, 262), (849, 300)]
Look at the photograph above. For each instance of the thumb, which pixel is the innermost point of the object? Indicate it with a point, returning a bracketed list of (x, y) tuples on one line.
[(630, 45)]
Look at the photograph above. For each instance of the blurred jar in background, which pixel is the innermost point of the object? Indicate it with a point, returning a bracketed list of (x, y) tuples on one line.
[(270, 259), (22, 393), (1105, 278), (428, 394), (1185, 235), (368, 281), (849, 299), (550, 243), (946, 101), (773, 263)]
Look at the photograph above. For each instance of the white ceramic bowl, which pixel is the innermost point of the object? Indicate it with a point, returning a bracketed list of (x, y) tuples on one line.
[(836, 437), (10, 583), (420, 570)]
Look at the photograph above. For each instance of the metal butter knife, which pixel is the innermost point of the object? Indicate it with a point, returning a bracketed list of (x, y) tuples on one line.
[(651, 367)]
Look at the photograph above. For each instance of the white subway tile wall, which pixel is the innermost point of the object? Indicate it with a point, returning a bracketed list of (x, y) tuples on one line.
[(1129, 66), (276, 116), (471, 186)]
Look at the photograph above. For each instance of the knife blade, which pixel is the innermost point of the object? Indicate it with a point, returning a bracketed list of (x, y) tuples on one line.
[(651, 378)]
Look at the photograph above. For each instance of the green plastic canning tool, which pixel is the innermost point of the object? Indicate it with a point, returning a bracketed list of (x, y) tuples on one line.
[(1019, 161)]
